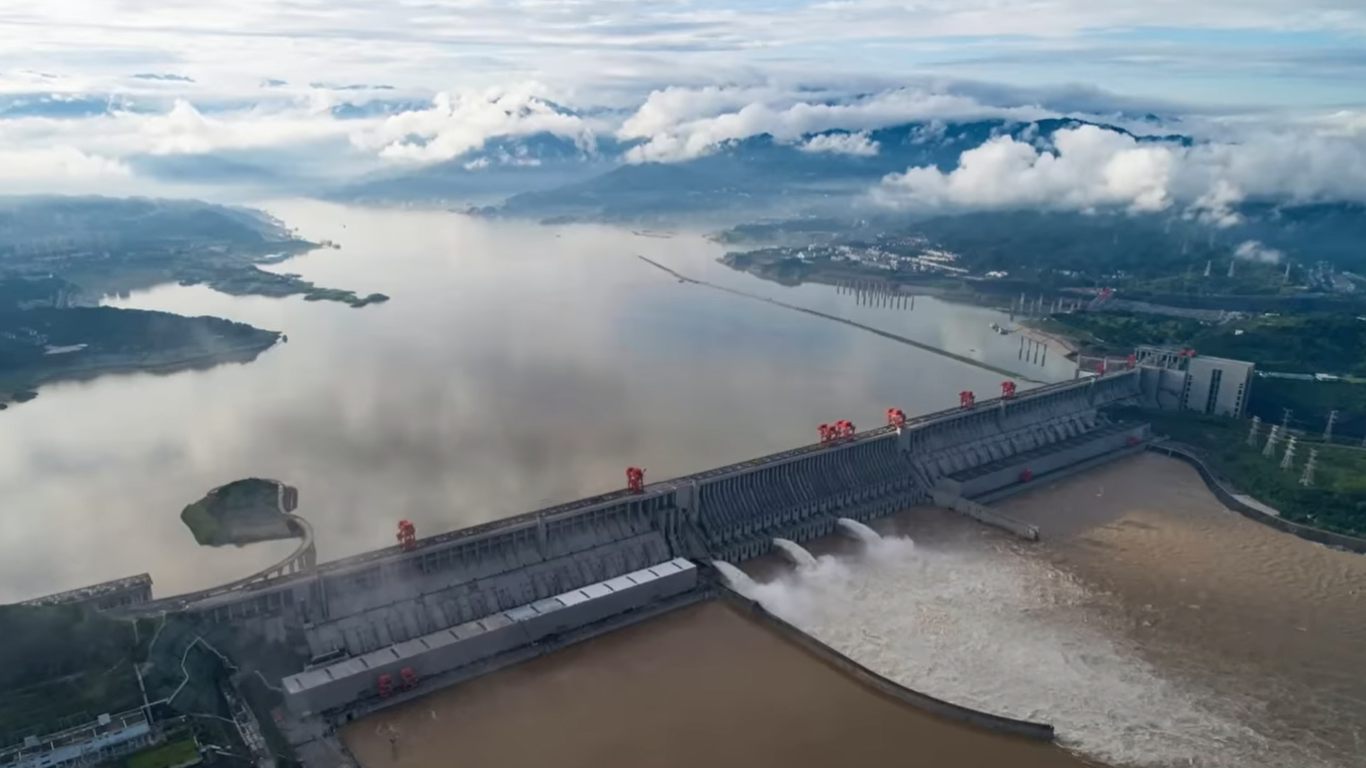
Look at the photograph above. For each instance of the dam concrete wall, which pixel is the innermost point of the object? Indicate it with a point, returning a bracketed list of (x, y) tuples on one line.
[(355, 679), (1039, 462), (361, 604)]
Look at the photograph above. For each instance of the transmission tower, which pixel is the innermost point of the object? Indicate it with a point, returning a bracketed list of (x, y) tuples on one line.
[(1307, 478), (1270, 450), (1285, 419), (1252, 433), (1328, 431), (1288, 460)]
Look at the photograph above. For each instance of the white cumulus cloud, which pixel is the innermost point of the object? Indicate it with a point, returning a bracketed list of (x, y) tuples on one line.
[(1091, 167), (461, 120)]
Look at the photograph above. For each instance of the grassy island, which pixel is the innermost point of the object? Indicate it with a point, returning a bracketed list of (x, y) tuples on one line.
[(241, 512)]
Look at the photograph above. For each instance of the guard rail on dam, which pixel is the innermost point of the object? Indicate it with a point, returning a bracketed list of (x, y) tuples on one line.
[(357, 605)]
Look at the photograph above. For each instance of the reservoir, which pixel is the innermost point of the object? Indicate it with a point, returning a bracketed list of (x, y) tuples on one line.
[(516, 366)]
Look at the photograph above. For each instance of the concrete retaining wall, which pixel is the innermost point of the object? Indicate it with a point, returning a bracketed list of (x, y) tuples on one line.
[(983, 515), (925, 702), (1224, 491)]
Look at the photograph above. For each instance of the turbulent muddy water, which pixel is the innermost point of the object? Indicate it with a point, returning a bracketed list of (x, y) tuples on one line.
[(1272, 627), (1152, 627)]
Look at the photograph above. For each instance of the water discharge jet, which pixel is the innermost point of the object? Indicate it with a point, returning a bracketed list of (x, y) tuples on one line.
[(859, 531), (796, 553), (736, 579)]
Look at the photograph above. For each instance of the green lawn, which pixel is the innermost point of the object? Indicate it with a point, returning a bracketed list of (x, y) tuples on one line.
[(1337, 501)]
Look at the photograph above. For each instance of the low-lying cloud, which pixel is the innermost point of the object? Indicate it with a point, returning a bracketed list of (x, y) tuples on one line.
[(459, 121), (858, 144), (1088, 167), (1253, 250), (1091, 166), (681, 123)]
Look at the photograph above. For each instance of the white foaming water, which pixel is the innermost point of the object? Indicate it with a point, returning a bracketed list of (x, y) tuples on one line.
[(858, 530), (1005, 633), (796, 553), (736, 578)]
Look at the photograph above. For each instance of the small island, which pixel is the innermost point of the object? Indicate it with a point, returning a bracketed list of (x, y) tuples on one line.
[(242, 512)]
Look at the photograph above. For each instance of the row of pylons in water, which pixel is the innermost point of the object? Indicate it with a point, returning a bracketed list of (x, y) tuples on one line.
[(869, 293)]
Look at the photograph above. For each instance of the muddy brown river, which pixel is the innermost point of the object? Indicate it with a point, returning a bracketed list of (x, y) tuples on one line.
[(1152, 627)]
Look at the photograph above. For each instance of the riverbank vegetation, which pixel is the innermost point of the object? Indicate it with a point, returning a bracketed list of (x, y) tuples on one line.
[(60, 255), (1308, 343), (1160, 259), (99, 246), (63, 666), (46, 344), (1337, 499)]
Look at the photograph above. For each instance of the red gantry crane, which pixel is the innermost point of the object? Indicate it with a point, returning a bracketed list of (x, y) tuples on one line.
[(836, 433), (407, 536), (635, 479)]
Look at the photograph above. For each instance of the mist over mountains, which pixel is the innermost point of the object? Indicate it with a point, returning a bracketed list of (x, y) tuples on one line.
[(711, 154)]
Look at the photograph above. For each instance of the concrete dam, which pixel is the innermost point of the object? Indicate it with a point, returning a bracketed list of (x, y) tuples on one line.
[(383, 625)]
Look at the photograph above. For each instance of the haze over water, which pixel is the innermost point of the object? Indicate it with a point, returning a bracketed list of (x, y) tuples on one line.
[(516, 366)]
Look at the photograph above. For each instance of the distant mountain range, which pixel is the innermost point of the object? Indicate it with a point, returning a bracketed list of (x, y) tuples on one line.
[(503, 166), (550, 176)]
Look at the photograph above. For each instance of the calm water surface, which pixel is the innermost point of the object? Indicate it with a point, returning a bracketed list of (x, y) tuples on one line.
[(516, 365)]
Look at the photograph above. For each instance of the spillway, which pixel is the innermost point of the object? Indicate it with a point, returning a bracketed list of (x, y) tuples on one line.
[(795, 553), (859, 531), (736, 579)]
